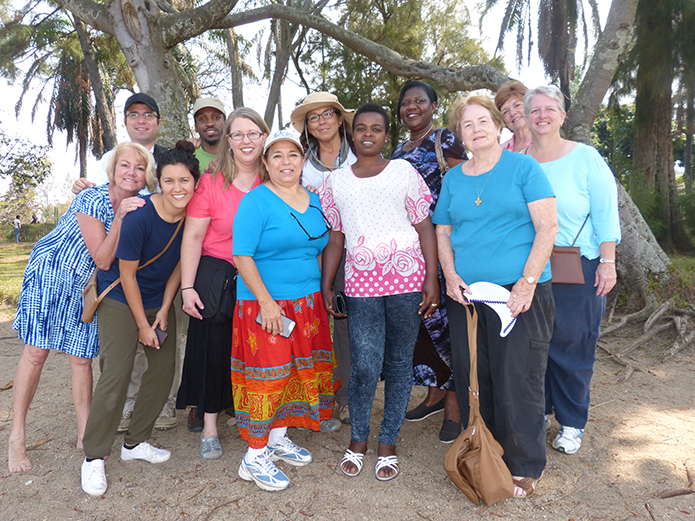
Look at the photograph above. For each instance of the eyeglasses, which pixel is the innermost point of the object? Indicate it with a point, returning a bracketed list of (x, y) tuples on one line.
[(136, 115), (253, 135), (329, 228), (326, 114)]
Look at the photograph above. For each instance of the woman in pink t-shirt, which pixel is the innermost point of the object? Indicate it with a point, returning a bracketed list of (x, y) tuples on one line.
[(379, 209), (206, 380)]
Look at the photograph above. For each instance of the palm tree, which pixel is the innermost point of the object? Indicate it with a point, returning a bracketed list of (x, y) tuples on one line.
[(558, 21)]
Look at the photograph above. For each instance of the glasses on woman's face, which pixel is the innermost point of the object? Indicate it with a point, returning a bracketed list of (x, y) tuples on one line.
[(325, 220), (253, 135), (326, 114)]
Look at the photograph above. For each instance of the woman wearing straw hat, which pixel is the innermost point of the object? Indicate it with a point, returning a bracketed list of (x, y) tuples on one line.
[(325, 129)]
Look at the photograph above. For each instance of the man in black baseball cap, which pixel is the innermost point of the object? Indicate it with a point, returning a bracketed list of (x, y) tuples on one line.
[(141, 97)]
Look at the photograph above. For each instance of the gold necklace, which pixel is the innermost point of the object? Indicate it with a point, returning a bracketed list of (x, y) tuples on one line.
[(475, 177)]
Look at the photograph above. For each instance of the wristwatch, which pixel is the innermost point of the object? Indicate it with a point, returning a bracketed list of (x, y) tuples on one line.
[(529, 279), (607, 261)]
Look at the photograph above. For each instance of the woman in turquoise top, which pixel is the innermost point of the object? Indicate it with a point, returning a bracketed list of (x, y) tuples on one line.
[(586, 193), (496, 222), (282, 358)]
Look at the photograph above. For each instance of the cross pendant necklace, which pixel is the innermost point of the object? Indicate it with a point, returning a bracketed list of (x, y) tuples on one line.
[(480, 192)]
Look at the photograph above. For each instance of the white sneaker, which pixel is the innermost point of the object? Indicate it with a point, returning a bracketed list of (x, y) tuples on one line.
[(546, 420), (145, 451), (289, 452), (264, 473), (93, 477), (568, 440)]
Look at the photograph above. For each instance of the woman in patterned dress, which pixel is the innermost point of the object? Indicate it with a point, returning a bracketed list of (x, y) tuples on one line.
[(280, 381), (49, 312), (432, 360)]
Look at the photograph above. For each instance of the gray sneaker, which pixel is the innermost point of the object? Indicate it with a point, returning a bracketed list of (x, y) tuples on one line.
[(210, 448), (125, 421), (167, 418)]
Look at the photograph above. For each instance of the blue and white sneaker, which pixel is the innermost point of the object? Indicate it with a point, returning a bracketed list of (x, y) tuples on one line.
[(264, 473), (568, 440), (286, 450)]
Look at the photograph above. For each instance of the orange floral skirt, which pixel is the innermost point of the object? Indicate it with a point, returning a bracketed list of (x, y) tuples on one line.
[(282, 382)]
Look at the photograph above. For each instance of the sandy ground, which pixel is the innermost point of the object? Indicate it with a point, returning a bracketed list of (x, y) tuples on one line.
[(639, 435)]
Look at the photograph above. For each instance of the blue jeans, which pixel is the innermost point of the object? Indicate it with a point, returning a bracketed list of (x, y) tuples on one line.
[(578, 316), (383, 331), (16, 235)]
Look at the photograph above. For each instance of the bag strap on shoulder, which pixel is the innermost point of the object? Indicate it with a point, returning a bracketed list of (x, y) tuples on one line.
[(118, 280), (441, 160), (580, 229)]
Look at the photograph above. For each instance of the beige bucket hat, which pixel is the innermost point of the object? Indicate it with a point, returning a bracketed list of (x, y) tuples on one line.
[(317, 100)]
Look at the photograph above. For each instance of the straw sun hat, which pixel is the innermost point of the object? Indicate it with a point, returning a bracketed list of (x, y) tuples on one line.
[(316, 100)]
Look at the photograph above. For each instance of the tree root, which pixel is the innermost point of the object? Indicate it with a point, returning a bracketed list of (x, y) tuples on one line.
[(681, 343), (630, 367), (642, 314), (643, 338), (658, 313), (690, 489)]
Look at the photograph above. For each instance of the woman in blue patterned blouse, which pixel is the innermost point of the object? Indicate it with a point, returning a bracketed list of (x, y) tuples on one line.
[(49, 312)]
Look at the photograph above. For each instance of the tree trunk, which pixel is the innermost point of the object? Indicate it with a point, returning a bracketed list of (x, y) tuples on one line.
[(653, 170), (135, 26), (235, 68), (104, 106), (283, 51), (689, 130)]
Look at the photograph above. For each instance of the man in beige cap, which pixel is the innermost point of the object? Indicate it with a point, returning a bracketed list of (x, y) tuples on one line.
[(209, 117)]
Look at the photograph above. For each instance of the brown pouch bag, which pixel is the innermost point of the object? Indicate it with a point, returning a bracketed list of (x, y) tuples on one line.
[(566, 262), (474, 461)]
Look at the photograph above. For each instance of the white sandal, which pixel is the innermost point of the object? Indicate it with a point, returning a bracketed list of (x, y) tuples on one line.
[(355, 458), (390, 462)]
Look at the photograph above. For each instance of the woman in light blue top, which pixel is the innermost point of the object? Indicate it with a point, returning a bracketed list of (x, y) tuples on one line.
[(586, 193)]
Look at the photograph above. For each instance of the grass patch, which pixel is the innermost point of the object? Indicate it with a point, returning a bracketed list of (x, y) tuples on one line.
[(681, 286), (13, 260)]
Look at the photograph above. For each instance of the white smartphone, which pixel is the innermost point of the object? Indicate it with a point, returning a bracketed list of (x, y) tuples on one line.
[(287, 324)]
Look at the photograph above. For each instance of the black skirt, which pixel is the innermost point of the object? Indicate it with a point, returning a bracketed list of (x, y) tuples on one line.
[(206, 381)]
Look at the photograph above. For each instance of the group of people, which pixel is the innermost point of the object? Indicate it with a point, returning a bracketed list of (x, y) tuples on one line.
[(321, 224)]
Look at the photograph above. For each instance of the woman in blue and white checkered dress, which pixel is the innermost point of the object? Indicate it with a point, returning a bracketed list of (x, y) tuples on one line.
[(49, 312)]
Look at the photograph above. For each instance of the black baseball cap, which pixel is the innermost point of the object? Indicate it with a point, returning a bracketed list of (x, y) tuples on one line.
[(141, 97)]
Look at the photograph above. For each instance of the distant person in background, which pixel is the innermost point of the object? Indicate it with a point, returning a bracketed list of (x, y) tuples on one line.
[(34, 219), (17, 226), (49, 311), (209, 118), (509, 100)]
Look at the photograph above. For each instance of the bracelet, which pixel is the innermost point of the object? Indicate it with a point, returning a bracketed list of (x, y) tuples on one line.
[(189, 287), (607, 261)]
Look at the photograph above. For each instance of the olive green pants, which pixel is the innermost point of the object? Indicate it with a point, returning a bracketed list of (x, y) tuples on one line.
[(118, 342)]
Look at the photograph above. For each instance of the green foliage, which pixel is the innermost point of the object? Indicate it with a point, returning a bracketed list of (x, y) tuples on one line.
[(687, 202), (23, 162), (13, 261), (613, 136), (433, 31)]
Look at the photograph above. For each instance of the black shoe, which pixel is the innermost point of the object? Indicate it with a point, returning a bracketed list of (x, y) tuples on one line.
[(450, 431), (422, 411), (195, 424), (230, 411)]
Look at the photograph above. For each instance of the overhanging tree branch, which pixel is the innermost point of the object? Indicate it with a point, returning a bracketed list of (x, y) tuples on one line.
[(466, 79)]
